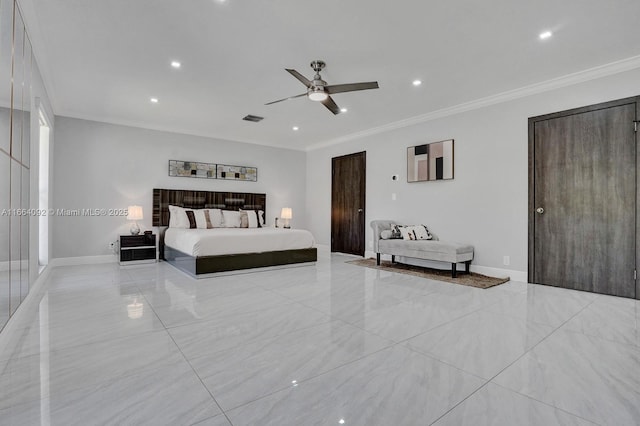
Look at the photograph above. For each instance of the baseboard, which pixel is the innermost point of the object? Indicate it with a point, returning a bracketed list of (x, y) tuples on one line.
[(9, 335), (83, 260), (484, 270)]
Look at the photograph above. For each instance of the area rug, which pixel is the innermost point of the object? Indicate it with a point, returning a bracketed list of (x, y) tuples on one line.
[(472, 279)]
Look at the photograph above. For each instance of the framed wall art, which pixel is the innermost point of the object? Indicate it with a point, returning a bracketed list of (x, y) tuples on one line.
[(237, 173), (432, 161), (192, 169)]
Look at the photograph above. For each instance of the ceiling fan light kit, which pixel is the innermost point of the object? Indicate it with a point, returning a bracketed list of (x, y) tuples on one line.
[(319, 91), (317, 95)]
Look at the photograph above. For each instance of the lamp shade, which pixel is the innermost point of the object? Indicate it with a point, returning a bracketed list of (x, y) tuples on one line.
[(134, 213), (286, 213)]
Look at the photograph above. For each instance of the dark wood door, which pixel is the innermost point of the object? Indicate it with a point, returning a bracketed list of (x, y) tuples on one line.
[(582, 220), (348, 188)]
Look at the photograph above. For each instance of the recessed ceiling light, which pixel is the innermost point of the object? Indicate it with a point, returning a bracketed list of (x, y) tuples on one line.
[(343, 110), (154, 100), (176, 64), (295, 128), (545, 35), (417, 82)]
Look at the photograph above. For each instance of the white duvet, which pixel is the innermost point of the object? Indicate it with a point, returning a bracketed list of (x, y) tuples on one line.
[(213, 242)]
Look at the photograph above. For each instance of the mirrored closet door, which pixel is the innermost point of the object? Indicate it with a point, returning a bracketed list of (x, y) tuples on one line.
[(15, 120)]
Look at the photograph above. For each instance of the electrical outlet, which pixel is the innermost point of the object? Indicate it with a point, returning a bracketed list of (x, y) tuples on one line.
[(506, 260)]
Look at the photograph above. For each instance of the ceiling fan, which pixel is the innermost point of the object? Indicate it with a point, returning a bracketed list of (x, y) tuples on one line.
[(319, 91)]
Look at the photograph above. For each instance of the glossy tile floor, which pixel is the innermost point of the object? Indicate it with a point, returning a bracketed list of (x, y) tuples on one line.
[(327, 344)]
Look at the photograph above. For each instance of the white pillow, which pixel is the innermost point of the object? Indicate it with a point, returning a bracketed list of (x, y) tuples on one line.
[(415, 232), (253, 218), (407, 232), (178, 217), (232, 219), (261, 218), (215, 216), (201, 220), (421, 232)]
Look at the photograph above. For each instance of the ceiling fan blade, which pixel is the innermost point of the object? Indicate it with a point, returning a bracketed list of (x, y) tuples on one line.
[(352, 87), (331, 105), (286, 99), (300, 77)]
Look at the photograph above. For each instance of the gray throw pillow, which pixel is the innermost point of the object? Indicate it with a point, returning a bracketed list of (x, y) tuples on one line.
[(386, 234)]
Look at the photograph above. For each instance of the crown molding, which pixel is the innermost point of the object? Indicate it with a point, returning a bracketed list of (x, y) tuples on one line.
[(612, 68)]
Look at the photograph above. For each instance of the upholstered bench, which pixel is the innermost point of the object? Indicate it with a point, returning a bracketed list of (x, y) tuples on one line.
[(432, 249)]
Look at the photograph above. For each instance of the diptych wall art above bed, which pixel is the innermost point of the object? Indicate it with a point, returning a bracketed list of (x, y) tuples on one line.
[(179, 168), (432, 161), (237, 173)]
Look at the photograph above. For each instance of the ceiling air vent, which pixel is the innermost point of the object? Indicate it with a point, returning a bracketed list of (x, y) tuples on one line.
[(253, 118)]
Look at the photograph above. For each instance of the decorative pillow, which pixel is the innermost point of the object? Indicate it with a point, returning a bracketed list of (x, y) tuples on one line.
[(178, 217), (207, 218), (415, 232), (192, 219), (252, 218), (395, 231), (231, 219), (261, 219), (201, 218), (215, 216), (244, 219), (386, 234), (406, 232), (421, 232)]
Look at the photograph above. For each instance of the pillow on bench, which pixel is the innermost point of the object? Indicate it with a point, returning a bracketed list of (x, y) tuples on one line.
[(413, 232), (387, 234)]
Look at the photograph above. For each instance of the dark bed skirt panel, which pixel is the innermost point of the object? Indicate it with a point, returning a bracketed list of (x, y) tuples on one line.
[(233, 262)]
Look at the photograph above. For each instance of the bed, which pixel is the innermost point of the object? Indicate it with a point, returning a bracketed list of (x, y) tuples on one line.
[(201, 252)]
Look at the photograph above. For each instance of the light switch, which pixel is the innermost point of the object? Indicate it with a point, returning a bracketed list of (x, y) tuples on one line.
[(393, 196)]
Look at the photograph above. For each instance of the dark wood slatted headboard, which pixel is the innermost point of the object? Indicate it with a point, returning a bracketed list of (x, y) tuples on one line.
[(203, 200)]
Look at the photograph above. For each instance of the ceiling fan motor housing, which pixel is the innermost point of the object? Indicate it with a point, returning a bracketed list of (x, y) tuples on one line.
[(317, 65)]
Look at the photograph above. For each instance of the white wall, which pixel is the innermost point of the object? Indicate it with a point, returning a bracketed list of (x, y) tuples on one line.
[(486, 203), (98, 165)]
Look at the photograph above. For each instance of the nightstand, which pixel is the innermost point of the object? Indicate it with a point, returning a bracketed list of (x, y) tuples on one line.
[(137, 249)]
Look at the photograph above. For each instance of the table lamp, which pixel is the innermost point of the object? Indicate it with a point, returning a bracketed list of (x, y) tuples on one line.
[(286, 216), (135, 214)]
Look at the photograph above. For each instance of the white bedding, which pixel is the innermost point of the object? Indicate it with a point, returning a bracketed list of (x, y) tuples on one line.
[(217, 241)]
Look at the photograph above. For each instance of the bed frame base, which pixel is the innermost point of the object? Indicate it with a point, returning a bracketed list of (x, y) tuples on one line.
[(198, 266)]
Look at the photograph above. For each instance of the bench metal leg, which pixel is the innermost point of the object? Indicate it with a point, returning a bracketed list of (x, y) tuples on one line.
[(393, 259), (454, 273), (467, 266), (378, 259)]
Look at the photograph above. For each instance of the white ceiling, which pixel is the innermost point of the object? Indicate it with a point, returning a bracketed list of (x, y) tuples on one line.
[(103, 60)]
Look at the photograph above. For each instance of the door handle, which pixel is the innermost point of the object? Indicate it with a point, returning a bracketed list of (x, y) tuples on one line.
[(539, 210), (359, 210)]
